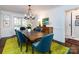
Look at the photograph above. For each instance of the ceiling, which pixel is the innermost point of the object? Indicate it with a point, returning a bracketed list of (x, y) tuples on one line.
[(23, 8)]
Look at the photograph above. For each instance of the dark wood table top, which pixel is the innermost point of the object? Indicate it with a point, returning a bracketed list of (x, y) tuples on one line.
[(33, 36)]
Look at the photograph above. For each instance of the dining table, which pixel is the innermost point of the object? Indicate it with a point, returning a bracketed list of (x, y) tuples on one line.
[(34, 35)]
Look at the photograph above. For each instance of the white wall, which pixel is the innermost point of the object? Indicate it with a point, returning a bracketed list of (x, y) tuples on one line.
[(57, 19), (9, 31)]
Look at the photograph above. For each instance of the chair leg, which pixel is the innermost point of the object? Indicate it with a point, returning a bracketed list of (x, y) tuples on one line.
[(21, 47), (18, 42), (32, 50), (26, 47), (49, 51)]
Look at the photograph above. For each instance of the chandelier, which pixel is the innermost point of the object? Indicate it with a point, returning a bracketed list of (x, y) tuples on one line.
[(29, 15)]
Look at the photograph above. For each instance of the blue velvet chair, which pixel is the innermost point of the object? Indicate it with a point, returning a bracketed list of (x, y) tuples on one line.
[(17, 37), (44, 44), (22, 28), (38, 29), (22, 39)]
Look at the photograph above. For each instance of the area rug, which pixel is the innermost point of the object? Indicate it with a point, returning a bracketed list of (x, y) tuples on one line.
[(11, 47)]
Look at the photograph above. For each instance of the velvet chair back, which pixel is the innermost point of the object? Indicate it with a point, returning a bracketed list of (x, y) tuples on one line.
[(38, 29), (20, 36), (45, 43)]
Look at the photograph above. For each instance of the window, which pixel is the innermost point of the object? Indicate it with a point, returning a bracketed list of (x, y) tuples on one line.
[(19, 21), (6, 21), (24, 22)]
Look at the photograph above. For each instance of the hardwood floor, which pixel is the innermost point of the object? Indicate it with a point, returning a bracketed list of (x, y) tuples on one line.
[(2, 43), (73, 45)]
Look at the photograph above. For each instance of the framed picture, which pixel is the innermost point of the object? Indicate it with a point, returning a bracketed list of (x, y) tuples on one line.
[(77, 21), (45, 21), (6, 21)]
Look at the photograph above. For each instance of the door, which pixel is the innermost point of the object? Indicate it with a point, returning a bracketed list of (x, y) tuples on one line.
[(68, 24), (72, 24), (75, 24)]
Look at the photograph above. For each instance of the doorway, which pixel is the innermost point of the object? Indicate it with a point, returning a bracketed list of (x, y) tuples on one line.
[(72, 24)]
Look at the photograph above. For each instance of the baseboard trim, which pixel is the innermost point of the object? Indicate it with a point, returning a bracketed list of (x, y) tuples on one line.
[(8, 37)]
